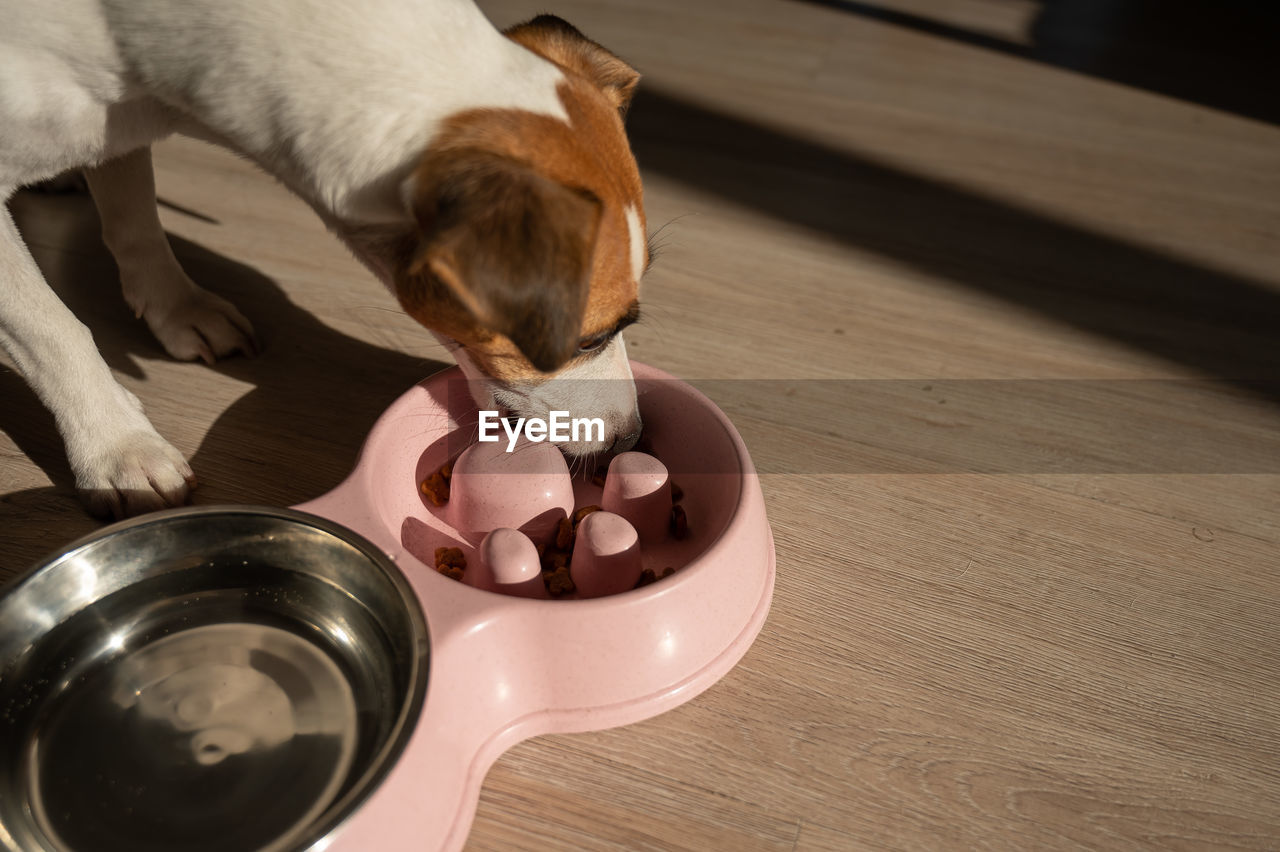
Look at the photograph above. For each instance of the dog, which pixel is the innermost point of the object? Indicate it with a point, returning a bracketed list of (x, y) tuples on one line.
[(484, 176)]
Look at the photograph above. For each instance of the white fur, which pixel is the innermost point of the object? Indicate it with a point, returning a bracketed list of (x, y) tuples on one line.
[(600, 386), (635, 233), (334, 99)]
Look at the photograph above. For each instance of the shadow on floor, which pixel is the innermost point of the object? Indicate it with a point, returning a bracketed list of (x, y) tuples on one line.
[(1220, 324), (292, 436), (1220, 55)]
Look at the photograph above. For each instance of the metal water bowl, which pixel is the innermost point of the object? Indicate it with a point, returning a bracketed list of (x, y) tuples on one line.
[(213, 679)]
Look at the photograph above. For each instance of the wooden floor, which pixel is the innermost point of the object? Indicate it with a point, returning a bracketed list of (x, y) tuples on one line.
[(999, 317)]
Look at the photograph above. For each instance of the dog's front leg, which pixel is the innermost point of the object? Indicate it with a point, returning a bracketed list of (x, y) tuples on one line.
[(121, 464), (189, 321)]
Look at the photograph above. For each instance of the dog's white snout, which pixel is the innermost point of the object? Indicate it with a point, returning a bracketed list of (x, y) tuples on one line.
[(627, 436), (601, 389)]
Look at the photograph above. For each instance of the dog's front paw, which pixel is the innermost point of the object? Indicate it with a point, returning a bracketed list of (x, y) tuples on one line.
[(199, 324), (137, 472)]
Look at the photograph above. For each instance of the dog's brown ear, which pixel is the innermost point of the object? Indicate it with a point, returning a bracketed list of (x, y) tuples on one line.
[(559, 41), (513, 246)]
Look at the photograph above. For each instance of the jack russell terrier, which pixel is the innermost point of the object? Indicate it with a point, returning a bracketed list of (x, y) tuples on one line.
[(483, 176)]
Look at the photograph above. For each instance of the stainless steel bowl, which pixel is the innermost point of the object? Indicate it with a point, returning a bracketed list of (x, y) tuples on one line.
[(204, 679)]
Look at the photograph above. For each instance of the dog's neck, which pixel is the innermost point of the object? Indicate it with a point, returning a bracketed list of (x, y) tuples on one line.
[(360, 177), (342, 114)]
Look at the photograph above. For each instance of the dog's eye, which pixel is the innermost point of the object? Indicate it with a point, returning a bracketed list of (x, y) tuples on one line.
[(591, 344)]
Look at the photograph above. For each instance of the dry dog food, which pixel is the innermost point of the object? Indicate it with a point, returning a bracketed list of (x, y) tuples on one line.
[(582, 513), (648, 576), (559, 582), (451, 562), (564, 534), (436, 486), (555, 570), (556, 557)]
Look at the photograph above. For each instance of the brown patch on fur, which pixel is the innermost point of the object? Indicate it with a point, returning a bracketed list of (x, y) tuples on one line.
[(512, 246), (559, 41), (524, 245)]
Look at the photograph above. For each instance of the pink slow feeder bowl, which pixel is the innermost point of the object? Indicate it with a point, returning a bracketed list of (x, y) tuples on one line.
[(505, 667), (247, 678)]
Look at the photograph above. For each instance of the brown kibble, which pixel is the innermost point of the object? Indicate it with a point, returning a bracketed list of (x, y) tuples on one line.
[(436, 489), (436, 486), (583, 512), (554, 560), (564, 534), (597, 478), (451, 562), (559, 582), (648, 576), (450, 557), (677, 493), (679, 522)]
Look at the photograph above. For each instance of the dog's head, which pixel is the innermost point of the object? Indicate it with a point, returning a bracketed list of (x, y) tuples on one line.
[(531, 243)]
